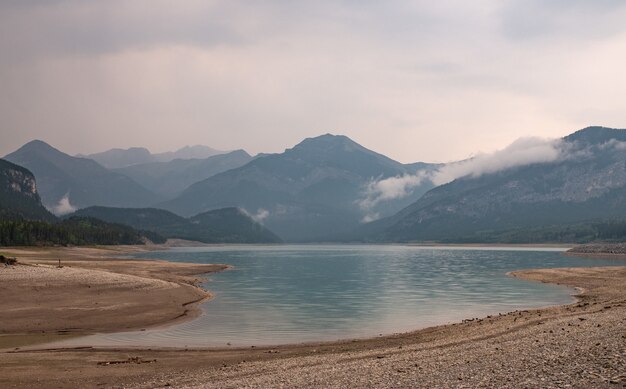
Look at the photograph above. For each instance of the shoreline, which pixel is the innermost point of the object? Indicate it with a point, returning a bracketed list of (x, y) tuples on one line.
[(94, 292), (468, 349), (564, 246)]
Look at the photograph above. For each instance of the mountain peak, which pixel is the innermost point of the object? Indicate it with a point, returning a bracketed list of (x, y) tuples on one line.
[(597, 135), (195, 148), (328, 142), (36, 146), (117, 157), (36, 142), (137, 150), (188, 152), (328, 137)]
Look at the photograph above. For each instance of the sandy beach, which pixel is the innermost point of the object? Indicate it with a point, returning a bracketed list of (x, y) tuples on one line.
[(579, 345), (92, 292)]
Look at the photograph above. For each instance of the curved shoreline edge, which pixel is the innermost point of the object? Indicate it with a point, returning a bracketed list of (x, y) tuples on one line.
[(583, 343), (93, 291)]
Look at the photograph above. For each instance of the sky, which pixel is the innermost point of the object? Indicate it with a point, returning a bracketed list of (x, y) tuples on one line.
[(414, 80)]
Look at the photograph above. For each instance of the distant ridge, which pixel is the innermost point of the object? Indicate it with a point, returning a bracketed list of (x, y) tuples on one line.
[(115, 158), (169, 179), (119, 158), (82, 182), (228, 225)]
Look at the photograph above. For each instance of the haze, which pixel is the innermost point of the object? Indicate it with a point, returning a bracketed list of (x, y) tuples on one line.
[(415, 80)]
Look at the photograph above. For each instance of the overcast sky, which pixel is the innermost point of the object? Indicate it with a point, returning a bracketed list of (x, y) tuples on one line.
[(415, 80)]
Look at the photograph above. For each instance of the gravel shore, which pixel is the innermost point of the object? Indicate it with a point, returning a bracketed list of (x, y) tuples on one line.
[(599, 248)]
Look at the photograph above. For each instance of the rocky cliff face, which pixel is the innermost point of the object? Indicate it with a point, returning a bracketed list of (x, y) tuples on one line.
[(19, 181), (18, 194)]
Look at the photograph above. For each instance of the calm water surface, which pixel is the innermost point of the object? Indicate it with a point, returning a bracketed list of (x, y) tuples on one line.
[(293, 294)]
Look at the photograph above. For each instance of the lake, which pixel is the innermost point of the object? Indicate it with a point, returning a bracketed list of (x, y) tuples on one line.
[(303, 293)]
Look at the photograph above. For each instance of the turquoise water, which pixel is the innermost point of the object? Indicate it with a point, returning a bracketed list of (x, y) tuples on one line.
[(294, 294)]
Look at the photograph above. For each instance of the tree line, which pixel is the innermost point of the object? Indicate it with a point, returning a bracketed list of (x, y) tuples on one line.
[(596, 231), (74, 231)]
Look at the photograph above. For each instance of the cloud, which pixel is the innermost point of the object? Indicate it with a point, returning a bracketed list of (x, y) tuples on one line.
[(403, 77), (370, 217), (524, 151), (391, 188), (64, 206), (259, 216), (613, 144), (81, 28), (562, 19)]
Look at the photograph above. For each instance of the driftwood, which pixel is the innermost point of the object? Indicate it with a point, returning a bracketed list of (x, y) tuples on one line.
[(131, 360), (8, 260)]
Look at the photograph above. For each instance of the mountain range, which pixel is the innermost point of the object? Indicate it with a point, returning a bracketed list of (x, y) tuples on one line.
[(118, 158), (329, 188), (310, 192), (25, 221), (66, 182), (168, 179), (587, 182)]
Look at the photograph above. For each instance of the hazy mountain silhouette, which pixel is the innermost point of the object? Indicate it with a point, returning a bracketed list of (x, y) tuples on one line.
[(324, 188), (81, 181), (169, 179), (118, 158), (188, 152), (115, 158), (309, 192)]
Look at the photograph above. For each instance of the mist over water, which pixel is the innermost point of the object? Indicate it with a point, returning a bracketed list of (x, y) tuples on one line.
[(293, 294)]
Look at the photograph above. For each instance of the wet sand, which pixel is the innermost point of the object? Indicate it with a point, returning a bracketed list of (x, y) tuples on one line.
[(578, 345)]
